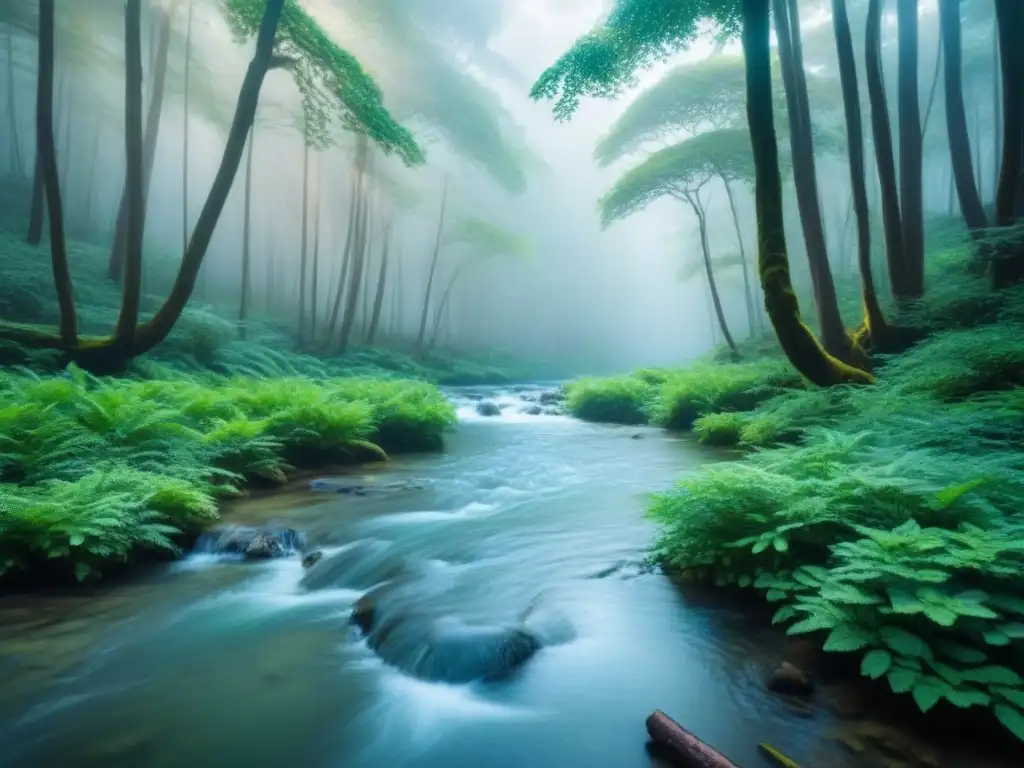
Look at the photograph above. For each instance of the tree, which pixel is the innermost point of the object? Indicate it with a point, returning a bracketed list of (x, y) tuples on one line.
[(637, 33), (285, 37), (911, 155), (421, 337)]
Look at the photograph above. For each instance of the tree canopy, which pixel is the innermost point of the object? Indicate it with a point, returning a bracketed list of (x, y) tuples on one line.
[(679, 169), (331, 80), (486, 239), (636, 34)]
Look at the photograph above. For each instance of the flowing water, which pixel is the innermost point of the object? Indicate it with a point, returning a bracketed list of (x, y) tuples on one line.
[(216, 662)]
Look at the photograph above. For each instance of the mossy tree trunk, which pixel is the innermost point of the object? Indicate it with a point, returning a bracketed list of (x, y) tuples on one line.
[(787, 25), (956, 118), (911, 155), (246, 288), (421, 338), (796, 339), (881, 129), (156, 102), (382, 277), (874, 320)]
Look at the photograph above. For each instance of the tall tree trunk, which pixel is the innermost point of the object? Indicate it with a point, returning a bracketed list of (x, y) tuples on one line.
[(64, 158), (892, 217), (787, 24), (90, 184), (421, 337), (693, 198), (997, 108), (17, 159), (911, 147), (358, 253), (382, 276), (47, 168), (396, 298), (1010, 20), (184, 133), (932, 90), (874, 320), (37, 211), (246, 294), (956, 118), (134, 192), (315, 280), (156, 102), (796, 339), (354, 212), (303, 252), (748, 291), (443, 306)]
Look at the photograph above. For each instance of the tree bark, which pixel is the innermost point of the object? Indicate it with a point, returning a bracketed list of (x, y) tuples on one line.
[(796, 339), (787, 25), (1010, 20), (421, 337), (243, 303), (156, 102), (956, 118), (748, 290), (354, 213), (874, 320), (892, 217), (184, 133), (134, 192), (686, 749), (47, 170), (314, 279), (693, 198), (382, 276), (911, 155)]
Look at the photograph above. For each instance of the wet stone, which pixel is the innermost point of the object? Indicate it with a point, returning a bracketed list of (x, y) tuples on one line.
[(791, 680), (488, 408)]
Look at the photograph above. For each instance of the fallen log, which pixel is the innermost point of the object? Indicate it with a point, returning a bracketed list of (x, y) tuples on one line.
[(683, 746)]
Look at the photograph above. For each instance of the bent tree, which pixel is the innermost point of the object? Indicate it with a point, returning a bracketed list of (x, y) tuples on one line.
[(637, 33), (333, 86)]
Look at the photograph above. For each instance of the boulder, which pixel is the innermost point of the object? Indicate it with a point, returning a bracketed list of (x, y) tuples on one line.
[(551, 397), (790, 679), (533, 410), (359, 566), (312, 559), (488, 408), (251, 543)]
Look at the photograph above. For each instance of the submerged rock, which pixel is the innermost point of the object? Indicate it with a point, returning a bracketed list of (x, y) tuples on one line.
[(252, 543), (533, 410), (312, 559), (363, 487), (552, 397), (790, 679), (488, 408), (359, 566)]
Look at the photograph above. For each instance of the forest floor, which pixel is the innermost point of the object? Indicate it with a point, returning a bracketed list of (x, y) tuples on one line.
[(99, 471), (888, 521)]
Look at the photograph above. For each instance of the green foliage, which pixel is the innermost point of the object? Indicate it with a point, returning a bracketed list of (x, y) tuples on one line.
[(891, 528), (682, 167), (330, 79), (97, 471), (614, 400), (488, 239), (722, 429), (634, 35)]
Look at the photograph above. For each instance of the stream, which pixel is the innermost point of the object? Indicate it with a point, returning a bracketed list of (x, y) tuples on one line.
[(532, 520)]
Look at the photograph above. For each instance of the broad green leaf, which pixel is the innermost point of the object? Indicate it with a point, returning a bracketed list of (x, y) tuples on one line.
[(904, 602), (962, 653), (775, 595), (1014, 630), (905, 643), (785, 613), (780, 544), (928, 690), (848, 637), (814, 623), (992, 675), (940, 615), (1012, 718), (995, 637), (876, 663), (76, 540), (965, 697), (1013, 695), (949, 496), (902, 680)]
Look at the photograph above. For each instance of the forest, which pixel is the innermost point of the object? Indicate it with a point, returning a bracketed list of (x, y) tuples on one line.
[(249, 241)]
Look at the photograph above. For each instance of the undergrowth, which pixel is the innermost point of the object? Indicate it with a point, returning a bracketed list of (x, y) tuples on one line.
[(99, 471)]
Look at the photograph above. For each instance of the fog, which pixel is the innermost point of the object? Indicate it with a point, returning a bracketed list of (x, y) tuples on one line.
[(457, 73)]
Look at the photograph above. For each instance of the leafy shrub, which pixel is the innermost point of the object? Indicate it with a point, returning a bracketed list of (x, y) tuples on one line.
[(612, 400), (722, 429)]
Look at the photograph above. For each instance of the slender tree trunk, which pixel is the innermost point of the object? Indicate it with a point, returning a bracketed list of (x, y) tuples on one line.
[(313, 311), (833, 334), (246, 293), (358, 255), (354, 213), (911, 147), (17, 159), (382, 276), (748, 291), (874, 319), (156, 102), (184, 133), (90, 185), (397, 294), (796, 339), (47, 165), (693, 198), (443, 306), (37, 211), (134, 193), (1010, 20), (934, 87), (304, 255), (64, 158), (892, 217), (997, 108), (956, 118), (421, 337)]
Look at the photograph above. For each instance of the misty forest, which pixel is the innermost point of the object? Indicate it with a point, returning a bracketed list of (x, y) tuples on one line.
[(447, 383)]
